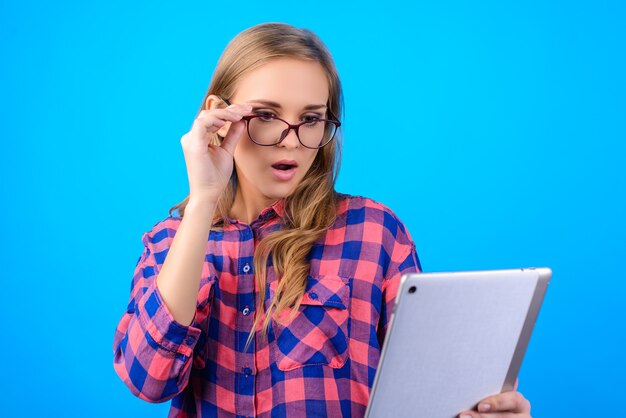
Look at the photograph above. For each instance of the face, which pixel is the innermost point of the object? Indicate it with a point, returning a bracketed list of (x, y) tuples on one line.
[(295, 86)]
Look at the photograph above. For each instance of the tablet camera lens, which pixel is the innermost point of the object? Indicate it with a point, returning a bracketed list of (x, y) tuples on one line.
[(412, 289)]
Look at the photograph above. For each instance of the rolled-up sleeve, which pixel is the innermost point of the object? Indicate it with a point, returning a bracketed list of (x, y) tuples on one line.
[(153, 353)]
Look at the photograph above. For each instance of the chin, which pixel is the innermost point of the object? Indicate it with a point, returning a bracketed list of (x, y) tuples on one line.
[(279, 192)]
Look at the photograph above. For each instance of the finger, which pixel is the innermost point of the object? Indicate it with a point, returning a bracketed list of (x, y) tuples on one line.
[(469, 414), (237, 109), (506, 401), (208, 117), (240, 108), (223, 114), (206, 124), (232, 137), (473, 414)]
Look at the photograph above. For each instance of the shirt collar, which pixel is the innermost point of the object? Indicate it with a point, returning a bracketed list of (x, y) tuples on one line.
[(277, 208)]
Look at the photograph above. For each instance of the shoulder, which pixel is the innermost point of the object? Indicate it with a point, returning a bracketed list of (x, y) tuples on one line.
[(162, 232), (357, 210)]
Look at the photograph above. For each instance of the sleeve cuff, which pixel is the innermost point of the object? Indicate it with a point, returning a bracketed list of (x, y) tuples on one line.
[(160, 324)]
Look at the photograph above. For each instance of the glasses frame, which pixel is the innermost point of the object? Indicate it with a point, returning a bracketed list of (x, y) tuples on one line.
[(284, 134)]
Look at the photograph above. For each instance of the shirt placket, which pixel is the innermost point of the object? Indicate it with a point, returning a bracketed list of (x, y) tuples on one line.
[(244, 361)]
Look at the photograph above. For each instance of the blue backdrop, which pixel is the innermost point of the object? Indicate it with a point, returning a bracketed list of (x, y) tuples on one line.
[(494, 131)]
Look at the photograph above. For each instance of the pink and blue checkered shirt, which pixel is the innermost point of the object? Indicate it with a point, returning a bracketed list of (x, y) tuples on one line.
[(321, 364)]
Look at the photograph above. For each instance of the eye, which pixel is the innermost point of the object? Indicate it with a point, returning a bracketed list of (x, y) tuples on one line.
[(311, 119), (265, 116)]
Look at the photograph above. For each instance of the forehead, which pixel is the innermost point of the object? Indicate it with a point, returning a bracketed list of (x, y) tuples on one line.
[(289, 81)]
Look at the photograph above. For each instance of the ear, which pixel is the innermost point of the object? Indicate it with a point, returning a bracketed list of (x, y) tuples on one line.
[(214, 102)]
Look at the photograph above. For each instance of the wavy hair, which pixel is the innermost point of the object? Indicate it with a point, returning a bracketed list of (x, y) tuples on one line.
[(311, 209)]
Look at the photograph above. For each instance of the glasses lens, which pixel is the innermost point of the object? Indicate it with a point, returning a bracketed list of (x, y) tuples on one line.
[(265, 130), (316, 134)]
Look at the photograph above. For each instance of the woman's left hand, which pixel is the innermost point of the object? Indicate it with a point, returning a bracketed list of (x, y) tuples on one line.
[(511, 404)]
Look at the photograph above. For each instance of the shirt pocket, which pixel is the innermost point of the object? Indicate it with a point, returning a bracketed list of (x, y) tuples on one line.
[(318, 333)]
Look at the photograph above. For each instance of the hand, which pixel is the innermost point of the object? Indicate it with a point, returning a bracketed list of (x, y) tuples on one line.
[(210, 166), (510, 404)]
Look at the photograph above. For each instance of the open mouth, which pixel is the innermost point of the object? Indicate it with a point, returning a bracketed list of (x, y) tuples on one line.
[(284, 170), (283, 167)]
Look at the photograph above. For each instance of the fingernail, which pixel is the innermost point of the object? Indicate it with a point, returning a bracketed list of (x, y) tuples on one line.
[(466, 416), (484, 407)]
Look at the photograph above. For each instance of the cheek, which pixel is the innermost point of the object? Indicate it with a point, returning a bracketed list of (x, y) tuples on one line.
[(247, 157), (244, 149), (311, 158)]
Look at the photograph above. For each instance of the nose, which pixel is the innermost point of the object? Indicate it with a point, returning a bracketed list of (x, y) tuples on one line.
[(290, 140)]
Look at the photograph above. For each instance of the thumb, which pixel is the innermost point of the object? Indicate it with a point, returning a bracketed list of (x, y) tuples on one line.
[(232, 136)]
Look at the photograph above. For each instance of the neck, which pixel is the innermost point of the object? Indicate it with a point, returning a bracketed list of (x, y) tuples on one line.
[(247, 209)]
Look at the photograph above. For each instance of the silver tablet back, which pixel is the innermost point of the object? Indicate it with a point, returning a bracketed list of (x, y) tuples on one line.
[(454, 339)]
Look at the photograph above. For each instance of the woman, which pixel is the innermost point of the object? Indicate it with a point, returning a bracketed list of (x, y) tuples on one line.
[(211, 326)]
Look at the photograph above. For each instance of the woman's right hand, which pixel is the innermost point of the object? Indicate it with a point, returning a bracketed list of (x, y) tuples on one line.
[(209, 166)]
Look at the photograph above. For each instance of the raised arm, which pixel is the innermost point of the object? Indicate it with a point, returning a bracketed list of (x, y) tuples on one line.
[(155, 339), (154, 342)]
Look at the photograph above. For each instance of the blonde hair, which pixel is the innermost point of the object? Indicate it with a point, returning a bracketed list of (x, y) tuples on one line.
[(311, 209)]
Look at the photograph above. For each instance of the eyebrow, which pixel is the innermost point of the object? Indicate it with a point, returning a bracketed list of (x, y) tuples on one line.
[(278, 106)]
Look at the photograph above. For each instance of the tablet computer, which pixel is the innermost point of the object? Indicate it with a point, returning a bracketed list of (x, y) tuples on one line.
[(454, 339)]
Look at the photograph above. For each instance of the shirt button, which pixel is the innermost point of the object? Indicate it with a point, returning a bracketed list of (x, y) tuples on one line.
[(246, 311), (246, 268), (313, 295), (189, 340), (247, 371)]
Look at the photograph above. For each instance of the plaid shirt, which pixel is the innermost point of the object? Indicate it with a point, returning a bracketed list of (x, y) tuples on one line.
[(321, 364)]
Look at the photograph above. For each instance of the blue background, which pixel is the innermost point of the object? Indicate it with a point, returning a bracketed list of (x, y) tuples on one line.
[(494, 131)]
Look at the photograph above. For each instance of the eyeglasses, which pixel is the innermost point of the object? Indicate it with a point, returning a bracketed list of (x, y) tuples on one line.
[(266, 129)]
